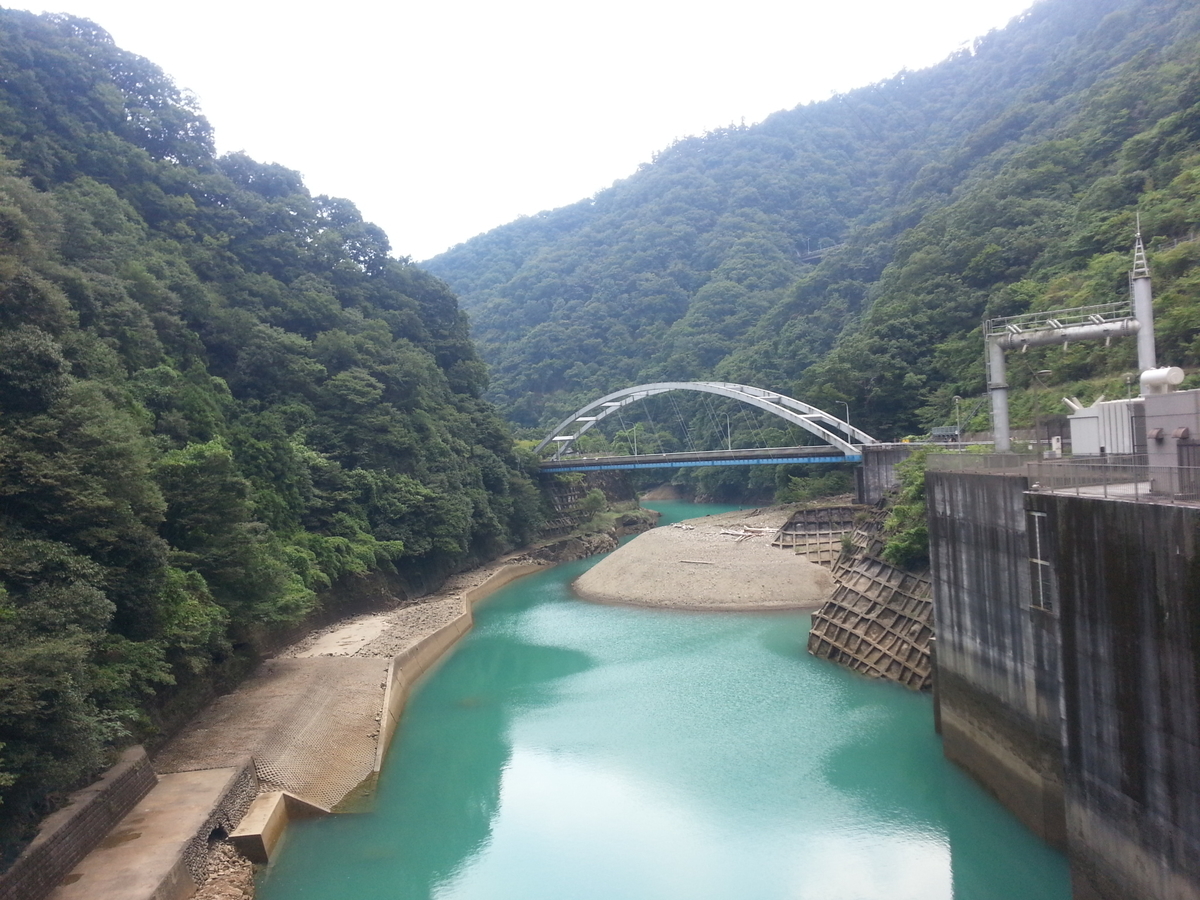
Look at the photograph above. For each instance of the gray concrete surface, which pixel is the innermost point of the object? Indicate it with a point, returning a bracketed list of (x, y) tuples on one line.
[(143, 857), (312, 726)]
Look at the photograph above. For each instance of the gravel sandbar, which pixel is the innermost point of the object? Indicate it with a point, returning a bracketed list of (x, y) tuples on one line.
[(699, 567)]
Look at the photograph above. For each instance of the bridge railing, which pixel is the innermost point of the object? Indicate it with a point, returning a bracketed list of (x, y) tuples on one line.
[(806, 453)]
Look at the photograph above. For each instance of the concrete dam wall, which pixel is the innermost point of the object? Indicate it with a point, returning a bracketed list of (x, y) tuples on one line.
[(1068, 670), (997, 652)]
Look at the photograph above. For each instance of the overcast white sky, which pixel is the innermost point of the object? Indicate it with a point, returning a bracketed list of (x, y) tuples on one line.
[(444, 119)]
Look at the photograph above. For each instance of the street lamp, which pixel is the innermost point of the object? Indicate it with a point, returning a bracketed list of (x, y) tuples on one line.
[(847, 405), (958, 418)]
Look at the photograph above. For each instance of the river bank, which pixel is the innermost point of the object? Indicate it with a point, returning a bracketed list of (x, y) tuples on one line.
[(275, 698), (279, 696)]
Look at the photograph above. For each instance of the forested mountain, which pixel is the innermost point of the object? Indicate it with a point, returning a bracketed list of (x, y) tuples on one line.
[(1005, 179), (219, 396)]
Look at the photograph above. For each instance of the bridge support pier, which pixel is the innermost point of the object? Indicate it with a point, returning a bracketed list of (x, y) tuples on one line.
[(877, 474)]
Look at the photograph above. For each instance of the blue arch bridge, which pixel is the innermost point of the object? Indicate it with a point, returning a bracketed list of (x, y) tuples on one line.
[(842, 441)]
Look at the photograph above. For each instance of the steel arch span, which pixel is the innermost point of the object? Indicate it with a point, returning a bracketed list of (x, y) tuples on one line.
[(816, 421)]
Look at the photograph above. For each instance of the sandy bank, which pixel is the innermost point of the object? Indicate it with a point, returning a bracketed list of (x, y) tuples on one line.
[(700, 567)]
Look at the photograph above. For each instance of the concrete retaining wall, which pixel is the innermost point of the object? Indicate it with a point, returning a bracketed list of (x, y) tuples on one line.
[(1129, 586), (499, 579), (404, 671), (265, 822), (876, 477), (997, 654), (409, 666), (68, 835)]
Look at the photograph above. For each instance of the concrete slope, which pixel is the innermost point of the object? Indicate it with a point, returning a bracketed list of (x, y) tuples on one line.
[(312, 726)]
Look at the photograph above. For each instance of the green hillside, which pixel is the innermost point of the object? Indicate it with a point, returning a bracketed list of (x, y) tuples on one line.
[(221, 401), (1004, 179)]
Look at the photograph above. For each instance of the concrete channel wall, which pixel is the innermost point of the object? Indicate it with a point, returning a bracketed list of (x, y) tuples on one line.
[(997, 654), (876, 477), (407, 667), (1128, 583)]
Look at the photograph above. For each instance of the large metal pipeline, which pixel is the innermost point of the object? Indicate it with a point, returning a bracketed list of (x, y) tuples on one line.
[(1016, 340), (1088, 331)]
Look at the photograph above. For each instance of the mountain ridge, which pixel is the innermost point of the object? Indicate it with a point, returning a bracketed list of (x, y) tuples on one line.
[(691, 268)]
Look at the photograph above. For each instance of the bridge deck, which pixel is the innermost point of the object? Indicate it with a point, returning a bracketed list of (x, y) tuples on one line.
[(751, 457)]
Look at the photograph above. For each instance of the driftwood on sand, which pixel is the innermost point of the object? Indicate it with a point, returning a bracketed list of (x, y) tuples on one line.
[(718, 562)]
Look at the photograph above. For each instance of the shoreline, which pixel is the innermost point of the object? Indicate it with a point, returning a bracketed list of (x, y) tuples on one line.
[(390, 632), (715, 563), (411, 638)]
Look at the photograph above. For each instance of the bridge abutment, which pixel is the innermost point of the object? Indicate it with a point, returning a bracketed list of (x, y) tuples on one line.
[(876, 476)]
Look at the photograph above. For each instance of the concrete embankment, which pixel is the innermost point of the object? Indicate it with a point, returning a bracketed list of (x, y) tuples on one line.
[(409, 665)]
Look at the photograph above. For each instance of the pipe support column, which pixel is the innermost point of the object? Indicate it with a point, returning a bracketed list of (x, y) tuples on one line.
[(1143, 311), (998, 388)]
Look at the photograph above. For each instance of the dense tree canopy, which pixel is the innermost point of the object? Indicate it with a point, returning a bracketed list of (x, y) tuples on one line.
[(219, 396), (847, 251)]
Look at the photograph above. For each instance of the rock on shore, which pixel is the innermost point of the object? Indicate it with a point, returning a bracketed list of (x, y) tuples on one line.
[(699, 567)]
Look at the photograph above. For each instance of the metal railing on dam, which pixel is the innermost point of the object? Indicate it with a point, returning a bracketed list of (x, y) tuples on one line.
[(1126, 477)]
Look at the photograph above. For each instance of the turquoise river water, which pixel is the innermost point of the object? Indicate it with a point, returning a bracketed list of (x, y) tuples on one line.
[(569, 751)]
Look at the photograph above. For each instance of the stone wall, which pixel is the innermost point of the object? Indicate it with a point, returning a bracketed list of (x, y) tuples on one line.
[(222, 821), (68, 835), (998, 667)]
